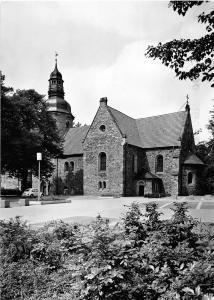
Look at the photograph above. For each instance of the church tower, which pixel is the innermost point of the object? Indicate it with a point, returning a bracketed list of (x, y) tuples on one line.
[(57, 105)]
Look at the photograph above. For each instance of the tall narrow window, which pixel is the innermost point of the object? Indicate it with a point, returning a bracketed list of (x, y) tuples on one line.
[(99, 185), (159, 163), (66, 167), (134, 163), (72, 166), (190, 178), (104, 184), (102, 161)]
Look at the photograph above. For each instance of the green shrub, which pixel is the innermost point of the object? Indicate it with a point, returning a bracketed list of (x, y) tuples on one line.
[(15, 240), (141, 257)]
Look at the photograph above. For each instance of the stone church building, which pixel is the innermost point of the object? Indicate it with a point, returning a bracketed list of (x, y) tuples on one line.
[(120, 156)]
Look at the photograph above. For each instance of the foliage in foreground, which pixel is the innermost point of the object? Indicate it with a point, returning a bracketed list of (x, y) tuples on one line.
[(141, 257)]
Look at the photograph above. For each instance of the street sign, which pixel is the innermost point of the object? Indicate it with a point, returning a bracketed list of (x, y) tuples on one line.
[(39, 156)]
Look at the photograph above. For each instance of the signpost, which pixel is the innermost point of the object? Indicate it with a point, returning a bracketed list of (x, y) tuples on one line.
[(39, 158)]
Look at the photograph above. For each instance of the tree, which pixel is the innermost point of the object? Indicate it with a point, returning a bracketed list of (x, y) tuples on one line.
[(78, 124), (27, 128), (189, 58)]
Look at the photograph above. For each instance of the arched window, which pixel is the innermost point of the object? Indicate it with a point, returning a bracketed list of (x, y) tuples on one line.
[(102, 161), (99, 185), (67, 124), (72, 166), (66, 167), (159, 163), (104, 184), (190, 178)]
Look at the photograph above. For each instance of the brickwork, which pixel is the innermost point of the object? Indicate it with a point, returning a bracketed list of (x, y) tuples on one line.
[(170, 172), (109, 141)]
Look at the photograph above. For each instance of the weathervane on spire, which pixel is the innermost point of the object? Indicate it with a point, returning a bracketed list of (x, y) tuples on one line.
[(56, 54), (187, 104), (187, 99)]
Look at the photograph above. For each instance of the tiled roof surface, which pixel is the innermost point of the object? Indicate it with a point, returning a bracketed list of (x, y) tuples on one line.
[(162, 131), (127, 126), (192, 159), (73, 140), (158, 131)]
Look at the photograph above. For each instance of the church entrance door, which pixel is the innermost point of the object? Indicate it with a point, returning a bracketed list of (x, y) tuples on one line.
[(141, 190)]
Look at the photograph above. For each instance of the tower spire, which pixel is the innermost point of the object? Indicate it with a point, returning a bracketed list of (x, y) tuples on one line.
[(187, 104), (57, 105), (56, 82)]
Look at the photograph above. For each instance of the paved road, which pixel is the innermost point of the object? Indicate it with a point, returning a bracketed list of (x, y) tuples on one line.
[(82, 207)]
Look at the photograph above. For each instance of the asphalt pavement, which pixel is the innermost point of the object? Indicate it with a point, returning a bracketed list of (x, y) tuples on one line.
[(87, 208)]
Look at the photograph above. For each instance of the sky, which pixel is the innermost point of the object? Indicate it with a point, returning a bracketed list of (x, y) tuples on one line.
[(101, 47)]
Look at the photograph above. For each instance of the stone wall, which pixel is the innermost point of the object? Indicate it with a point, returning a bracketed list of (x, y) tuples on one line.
[(193, 188), (170, 172), (68, 182), (108, 140), (148, 190)]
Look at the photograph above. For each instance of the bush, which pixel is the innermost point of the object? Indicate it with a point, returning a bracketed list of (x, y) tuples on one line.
[(10, 192), (142, 257)]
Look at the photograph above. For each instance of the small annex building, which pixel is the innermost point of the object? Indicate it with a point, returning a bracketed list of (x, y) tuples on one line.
[(121, 156)]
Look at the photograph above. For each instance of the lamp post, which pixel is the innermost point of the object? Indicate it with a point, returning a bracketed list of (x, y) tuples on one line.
[(39, 158)]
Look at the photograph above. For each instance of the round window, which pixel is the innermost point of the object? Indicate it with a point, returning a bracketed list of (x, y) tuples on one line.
[(102, 128)]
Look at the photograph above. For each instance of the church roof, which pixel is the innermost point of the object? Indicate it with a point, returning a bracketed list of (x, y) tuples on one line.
[(192, 159), (73, 140), (149, 175), (128, 127), (152, 132), (56, 73), (144, 174), (162, 131), (58, 104)]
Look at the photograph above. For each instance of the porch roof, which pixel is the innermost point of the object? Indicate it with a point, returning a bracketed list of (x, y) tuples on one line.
[(143, 174), (193, 159)]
